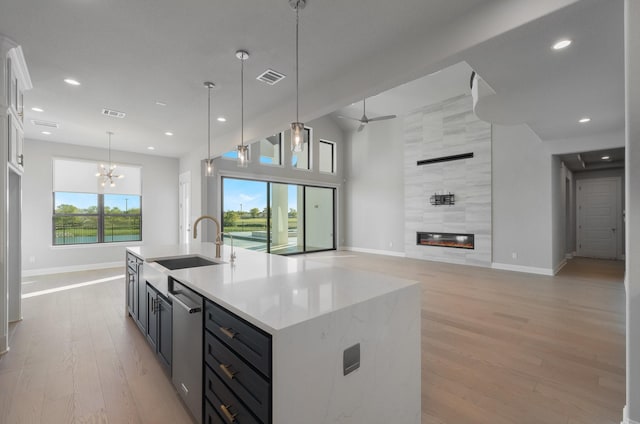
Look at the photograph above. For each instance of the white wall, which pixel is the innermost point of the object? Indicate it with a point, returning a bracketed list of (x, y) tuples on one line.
[(522, 195), (632, 168), (159, 207), (374, 173)]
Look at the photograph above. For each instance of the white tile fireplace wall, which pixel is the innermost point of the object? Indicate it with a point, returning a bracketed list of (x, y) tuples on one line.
[(446, 129)]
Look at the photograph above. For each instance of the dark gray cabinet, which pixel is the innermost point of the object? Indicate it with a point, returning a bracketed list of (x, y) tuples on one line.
[(159, 321), (237, 358)]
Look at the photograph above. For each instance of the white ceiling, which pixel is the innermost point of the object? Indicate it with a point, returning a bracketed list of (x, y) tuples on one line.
[(548, 90), (551, 90), (128, 55)]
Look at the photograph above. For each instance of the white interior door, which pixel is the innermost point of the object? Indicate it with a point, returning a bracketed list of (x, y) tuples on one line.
[(599, 217), (185, 207)]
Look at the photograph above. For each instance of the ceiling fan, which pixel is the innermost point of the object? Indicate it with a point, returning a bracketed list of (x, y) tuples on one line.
[(365, 120)]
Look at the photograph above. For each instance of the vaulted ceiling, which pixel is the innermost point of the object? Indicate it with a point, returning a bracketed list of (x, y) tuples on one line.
[(130, 55)]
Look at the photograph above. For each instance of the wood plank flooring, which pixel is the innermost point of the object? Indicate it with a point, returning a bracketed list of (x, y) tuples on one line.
[(497, 347)]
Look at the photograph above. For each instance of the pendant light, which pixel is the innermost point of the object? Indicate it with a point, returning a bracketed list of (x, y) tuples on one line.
[(297, 128), (209, 162), (107, 174), (243, 151)]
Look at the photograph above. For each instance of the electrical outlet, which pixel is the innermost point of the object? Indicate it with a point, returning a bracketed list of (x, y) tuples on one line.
[(390, 244), (32, 259), (514, 255)]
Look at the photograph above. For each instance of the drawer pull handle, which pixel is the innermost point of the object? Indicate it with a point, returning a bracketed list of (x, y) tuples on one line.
[(228, 332), (225, 369), (225, 410)]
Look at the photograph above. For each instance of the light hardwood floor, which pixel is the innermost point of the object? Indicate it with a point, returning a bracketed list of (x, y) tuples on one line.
[(497, 347)]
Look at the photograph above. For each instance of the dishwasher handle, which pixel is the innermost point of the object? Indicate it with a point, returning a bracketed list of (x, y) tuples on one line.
[(190, 309)]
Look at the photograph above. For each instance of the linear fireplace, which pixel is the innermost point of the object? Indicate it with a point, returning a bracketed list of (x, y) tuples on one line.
[(458, 241)]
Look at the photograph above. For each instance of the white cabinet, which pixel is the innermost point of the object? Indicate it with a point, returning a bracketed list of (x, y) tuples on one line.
[(16, 82), (15, 142)]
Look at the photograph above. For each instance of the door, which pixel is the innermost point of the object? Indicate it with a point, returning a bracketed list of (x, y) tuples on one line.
[(599, 203), (185, 207)]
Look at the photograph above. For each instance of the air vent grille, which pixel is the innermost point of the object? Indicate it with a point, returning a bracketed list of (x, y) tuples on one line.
[(113, 113), (270, 77), (47, 124)]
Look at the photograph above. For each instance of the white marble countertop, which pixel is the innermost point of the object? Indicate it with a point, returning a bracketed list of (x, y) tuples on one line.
[(270, 291)]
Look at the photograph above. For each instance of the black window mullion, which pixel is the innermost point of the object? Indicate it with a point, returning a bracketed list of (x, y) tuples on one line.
[(100, 218)]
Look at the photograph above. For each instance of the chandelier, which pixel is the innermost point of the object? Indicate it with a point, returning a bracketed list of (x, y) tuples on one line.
[(107, 175)]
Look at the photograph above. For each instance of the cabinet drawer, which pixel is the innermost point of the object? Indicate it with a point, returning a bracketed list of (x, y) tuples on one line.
[(246, 383), (224, 402), (245, 339), (210, 415)]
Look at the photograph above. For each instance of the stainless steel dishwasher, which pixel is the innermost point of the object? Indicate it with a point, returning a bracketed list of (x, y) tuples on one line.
[(187, 346)]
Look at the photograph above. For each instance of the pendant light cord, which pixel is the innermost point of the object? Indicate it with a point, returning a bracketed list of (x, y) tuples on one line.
[(242, 100), (209, 129), (297, 72)]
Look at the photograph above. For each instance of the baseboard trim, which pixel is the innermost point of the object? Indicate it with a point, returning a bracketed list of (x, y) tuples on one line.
[(625, 417), (560, 266), (374, 251), (72, 268), (521, 268)]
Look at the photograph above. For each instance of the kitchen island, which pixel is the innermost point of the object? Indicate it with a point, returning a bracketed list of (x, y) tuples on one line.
[(314, 343)]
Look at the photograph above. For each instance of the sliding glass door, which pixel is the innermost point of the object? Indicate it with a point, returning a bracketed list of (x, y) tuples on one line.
[(244, 213), (319, 217), (278, 218)]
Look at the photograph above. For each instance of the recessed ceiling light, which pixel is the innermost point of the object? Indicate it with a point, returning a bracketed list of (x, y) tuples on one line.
[(585, 120), (159, 103), (151, 148), (605, 157), (46, 132), (562, 44), (222, 119), (71, 81), (169, 133), (37, 109)]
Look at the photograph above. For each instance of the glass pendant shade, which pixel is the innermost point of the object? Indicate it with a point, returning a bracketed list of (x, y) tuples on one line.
[(297, 136), (208, 170), (243, 156)]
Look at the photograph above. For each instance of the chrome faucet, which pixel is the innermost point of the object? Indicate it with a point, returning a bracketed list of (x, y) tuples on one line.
[(232, 257), (218, 240)]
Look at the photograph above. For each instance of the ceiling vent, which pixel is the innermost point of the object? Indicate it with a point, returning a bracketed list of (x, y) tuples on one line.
[(271, 77), (47, 124), (113, 113)]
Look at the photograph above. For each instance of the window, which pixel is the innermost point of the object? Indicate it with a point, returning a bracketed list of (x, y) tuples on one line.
[(233, 154), (84, 212), (327, 156), (271, 150), (302, 160)]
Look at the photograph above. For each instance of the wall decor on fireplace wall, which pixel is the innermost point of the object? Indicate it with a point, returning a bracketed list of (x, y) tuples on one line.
[(445, 159), (442, 199)]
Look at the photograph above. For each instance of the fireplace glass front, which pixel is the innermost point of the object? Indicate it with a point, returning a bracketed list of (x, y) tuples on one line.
[(458, 241)]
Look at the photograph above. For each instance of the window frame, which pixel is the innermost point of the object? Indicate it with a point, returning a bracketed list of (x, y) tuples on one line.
[(281, 152), (100, 218), (333, 156)]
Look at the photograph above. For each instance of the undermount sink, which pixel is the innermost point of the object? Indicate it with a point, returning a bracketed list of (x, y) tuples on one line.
[(185, 262)]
